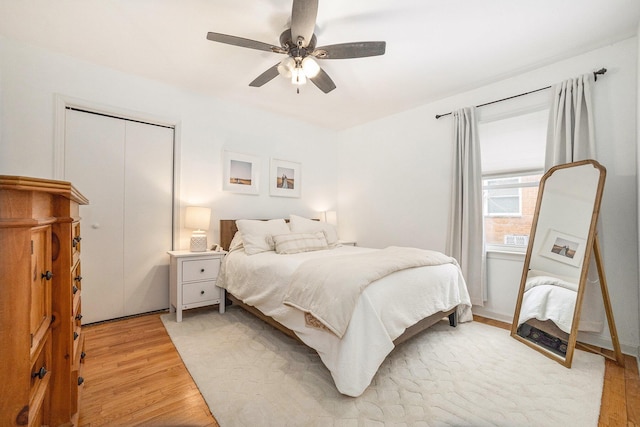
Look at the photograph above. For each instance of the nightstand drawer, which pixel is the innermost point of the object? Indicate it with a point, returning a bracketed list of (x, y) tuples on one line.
[(200, 269), (200, 292)]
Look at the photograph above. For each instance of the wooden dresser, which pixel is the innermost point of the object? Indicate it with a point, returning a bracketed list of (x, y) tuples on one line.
[(40, 287)]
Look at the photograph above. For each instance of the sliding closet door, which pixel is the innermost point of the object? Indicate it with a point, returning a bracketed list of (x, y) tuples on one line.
[(148, 196), (94, 163), (125, 169)]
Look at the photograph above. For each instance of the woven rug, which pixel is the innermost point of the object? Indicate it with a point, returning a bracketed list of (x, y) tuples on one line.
[(251, 374)]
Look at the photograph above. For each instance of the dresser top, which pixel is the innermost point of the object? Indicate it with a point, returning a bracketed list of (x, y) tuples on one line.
[(24, 183)]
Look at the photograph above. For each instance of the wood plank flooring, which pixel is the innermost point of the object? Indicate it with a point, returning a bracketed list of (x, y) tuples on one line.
[(135, 377)]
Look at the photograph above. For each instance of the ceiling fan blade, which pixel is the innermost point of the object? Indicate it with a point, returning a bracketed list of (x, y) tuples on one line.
[(350, 50), (323, 81), (266, 77), (303, 20), (242, 42)]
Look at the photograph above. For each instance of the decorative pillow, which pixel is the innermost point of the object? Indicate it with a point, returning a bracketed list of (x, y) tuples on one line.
[(299, 224), (236, 242), (294, 243), (256, 235)]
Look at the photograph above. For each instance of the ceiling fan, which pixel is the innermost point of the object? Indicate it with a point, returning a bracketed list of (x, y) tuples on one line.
[(299, 44)]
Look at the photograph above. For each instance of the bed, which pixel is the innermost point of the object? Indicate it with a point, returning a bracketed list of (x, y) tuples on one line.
[(548, 298), (388, 311)]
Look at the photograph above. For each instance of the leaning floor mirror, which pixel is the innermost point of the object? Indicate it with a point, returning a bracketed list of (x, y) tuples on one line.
[(562, 243)]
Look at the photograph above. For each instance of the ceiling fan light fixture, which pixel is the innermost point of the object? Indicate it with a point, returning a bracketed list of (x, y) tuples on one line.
[(298, 77), (286, 67), (310, 67)]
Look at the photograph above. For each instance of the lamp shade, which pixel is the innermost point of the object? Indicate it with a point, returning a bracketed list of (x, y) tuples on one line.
[(197, 218), (332, 217)]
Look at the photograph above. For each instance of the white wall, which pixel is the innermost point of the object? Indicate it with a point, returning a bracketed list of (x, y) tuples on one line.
[(30, 77), (395, 179)]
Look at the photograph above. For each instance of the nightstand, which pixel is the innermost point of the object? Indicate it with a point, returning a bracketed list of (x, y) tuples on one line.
[(192, 281)]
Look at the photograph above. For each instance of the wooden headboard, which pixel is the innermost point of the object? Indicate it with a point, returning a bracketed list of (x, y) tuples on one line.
[(227, 231)]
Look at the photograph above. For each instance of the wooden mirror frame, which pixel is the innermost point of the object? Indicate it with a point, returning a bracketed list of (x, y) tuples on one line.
[(592, 247)]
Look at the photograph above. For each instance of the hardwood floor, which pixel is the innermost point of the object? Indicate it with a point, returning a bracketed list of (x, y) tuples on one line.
[(135, 377)]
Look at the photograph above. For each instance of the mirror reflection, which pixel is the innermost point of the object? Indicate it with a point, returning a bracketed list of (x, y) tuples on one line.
[(557, 258)]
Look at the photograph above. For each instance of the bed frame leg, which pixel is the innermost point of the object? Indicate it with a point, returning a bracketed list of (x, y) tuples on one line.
[(453, 319)]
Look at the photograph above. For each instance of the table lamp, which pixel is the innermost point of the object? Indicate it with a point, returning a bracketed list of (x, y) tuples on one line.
[(198, 218)]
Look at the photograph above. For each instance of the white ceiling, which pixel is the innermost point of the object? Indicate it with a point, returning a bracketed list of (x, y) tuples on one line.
[(434, 48)]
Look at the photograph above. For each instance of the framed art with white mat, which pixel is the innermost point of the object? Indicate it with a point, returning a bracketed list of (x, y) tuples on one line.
[(241, 173), (284, 179)]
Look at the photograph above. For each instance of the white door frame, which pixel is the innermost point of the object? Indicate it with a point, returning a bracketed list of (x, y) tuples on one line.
[(62, 102)]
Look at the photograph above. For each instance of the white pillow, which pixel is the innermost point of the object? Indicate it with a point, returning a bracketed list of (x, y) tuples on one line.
[(236, 242), (299, 224), (256, 235), (294, 243)]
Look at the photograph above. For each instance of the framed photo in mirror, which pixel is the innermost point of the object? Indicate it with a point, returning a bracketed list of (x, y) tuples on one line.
[(564, 248)]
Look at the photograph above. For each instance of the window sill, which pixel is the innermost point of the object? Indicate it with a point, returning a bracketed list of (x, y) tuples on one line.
[(506, 253)]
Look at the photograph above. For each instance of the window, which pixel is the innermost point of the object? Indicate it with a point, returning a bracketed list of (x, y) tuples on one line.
[(503, 197), (509, 204), (512, 165)]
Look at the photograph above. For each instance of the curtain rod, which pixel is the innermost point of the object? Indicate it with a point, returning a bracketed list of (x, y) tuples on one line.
[(601, 71)]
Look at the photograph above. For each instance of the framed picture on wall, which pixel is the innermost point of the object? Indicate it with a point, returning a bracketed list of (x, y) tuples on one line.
[(241, 173), (284, 179), (563, 248)]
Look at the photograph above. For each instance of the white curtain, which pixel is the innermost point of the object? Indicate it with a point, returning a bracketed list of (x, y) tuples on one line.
[(570, 138), (466, 241)]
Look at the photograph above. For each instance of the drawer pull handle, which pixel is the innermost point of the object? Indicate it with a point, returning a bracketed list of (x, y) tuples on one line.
[(80, 380), (75, 336), (78, 278), (48, 275), (78, 316), (201, 292), (75, 289), (83, 355), (40, 374), (75, 241), (202, 270)]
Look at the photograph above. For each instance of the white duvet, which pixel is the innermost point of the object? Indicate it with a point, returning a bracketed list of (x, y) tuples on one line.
[(384, 310), (548, 297)]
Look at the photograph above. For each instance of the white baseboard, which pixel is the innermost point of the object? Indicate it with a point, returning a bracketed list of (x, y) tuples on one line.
[(480, 311)]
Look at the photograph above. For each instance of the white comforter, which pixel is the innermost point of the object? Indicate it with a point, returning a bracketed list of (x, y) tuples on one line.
[(329, 288), (384, 310), (548, 298)]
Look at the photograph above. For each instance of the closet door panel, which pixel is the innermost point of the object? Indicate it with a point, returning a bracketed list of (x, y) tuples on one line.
[(148, 200), (94, 162)]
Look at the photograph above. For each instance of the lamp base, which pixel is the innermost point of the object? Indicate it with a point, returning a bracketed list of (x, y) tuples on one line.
[(198, 242)]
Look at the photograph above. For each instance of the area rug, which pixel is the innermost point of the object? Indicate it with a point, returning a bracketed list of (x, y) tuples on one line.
[(251, 374)]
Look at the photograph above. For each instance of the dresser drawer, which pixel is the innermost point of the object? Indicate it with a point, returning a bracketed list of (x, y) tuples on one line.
[(200, 292), (200, 269), (75, 241), (40, 373)]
